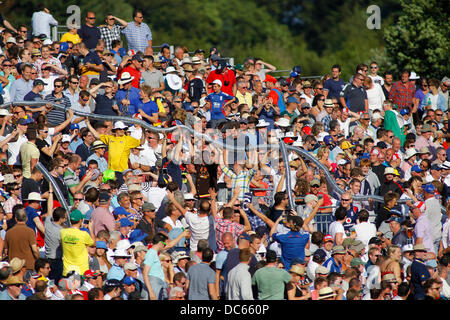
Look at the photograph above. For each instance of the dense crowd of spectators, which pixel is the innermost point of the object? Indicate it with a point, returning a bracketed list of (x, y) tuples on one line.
[(160, 214)]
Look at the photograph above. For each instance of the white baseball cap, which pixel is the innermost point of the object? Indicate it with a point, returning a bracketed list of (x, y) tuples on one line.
[(217, 81)]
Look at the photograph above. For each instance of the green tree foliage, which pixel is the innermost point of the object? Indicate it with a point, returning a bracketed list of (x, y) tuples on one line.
[(420, 39), (312, 33)]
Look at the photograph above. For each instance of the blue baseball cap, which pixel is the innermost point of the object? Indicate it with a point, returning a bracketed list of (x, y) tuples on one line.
[(129, 281), (74, 126), (124, 222), (396, 219), (292, 99), (187, 106), (122, 52), (404, 111), (121, 210), (416, 168), (297, 69), (245, 236), (63, 47), (436, 167), (137, 235), (328, 140), (101, 245), (429, 188)]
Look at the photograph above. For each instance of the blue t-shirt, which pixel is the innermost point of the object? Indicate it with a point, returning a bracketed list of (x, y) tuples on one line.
[(92, 57), (292, 246), (31, 214), (149, 108), (334, 88), (419, 274), (133, 96), (352, 216), (217, 101), (152, 260)]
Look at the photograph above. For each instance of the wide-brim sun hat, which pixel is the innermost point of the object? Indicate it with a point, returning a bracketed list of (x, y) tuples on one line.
[(173, 81), (125, 78)]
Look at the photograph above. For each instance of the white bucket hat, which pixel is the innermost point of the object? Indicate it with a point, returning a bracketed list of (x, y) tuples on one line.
[(283, 122), (262, 123)]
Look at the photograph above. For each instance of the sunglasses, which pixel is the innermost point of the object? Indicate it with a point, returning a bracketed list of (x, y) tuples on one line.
[(59, 86), (75, 199)]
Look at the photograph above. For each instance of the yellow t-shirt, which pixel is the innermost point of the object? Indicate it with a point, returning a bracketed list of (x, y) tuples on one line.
[(28, 151), (119, 149), (74, 38), (75, 254)]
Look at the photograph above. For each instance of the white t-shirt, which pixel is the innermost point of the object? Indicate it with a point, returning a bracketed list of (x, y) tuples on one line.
[(14, 149), (365, 231), (150, 154), (377, 79), (48, 89), (335, 228), (135, 132), (375, 97), (141, 159), (176, 224), (156, 195), (199, 227), (77, 106)]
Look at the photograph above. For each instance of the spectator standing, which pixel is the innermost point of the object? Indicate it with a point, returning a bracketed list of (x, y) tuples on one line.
[(333, 86), (74, 245), (138, 34), (53, 248), (111, 31), (201, 279), (353, 96), (270, 280), (88, 32), (402, 91), (42, 21), (20, 240), (239, 284)]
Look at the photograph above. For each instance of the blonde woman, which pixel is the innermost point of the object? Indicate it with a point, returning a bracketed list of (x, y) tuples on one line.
[(167, 265), (392, 264), (323, 155)]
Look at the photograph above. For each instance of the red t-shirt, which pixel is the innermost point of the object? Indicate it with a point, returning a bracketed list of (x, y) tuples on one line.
[(134, 73), (228, 80)]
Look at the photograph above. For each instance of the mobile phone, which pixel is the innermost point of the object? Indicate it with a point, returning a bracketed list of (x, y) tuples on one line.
[(164, 171), (85, 221)]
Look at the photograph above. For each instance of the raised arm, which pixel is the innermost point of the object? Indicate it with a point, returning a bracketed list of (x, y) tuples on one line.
[(91, 129), (61, 126), (122, 22), (263, 217)]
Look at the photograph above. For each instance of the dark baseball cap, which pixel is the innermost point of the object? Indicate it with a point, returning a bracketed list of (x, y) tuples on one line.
[(38, 82), (137, 57), (271, 256)]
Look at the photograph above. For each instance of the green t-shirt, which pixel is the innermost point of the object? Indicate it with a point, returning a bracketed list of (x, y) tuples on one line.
[(71, 180), (271, 282)]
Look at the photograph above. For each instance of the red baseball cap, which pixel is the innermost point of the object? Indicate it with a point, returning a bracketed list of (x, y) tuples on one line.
[(327, 238), (307, 130), (269, 78), (90, 274)]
